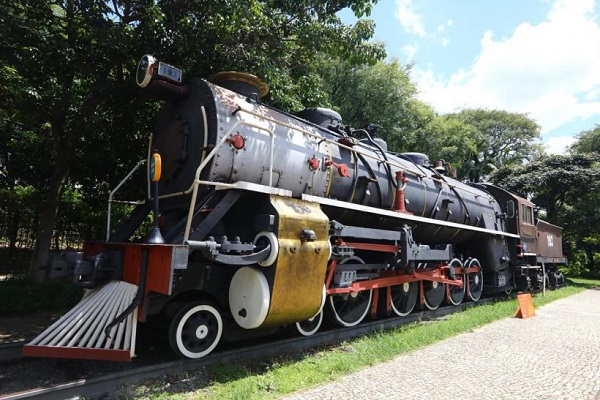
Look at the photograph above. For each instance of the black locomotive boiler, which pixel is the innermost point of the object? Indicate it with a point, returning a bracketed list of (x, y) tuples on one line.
[(264, 219)]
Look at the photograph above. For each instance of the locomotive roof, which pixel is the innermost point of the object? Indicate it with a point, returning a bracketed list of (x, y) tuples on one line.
[(521, 200), (548, 226)]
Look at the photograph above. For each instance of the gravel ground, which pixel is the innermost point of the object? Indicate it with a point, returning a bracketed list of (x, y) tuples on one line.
[(28, 373), (16, 328)]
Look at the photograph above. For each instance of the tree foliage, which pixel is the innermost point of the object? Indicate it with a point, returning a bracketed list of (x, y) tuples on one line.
[(440, 137), (279, 41), (495, 138), (370, 94), (567, 188), (587, 142), (552, 181), (66, 77)]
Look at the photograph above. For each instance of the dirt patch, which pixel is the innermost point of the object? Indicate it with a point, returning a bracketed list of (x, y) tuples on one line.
[(25, 327)]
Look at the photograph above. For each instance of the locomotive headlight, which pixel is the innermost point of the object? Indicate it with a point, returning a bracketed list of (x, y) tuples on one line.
[(145, 69), (150, 68)]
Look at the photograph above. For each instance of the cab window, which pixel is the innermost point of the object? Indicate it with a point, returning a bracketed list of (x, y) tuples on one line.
[(526, 214)]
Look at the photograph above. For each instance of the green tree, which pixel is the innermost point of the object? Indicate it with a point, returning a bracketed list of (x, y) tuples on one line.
[(499, 137), (440, 137), (279, 41), (383, 94), (580, 214), (66, 70), (62, 71), (567, 188), (584, 212), (370, 94), (551, 181), (587, 142)]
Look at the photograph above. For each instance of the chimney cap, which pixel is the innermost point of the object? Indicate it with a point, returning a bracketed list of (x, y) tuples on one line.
[(221, 79)]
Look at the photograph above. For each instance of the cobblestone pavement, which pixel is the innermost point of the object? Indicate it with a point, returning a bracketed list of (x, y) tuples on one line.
[(553, 355)]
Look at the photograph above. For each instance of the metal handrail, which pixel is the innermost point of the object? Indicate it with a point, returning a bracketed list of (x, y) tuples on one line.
[(110, 197), (197, 182), (193, 189)]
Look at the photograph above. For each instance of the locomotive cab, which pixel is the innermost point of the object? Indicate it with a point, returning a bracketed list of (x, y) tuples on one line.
[(537, 253)]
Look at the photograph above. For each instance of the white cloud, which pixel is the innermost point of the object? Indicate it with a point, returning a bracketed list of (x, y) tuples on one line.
[(447, 24), (408, 18), (592, 94), (550, 70), (558, 144), (409, 51)]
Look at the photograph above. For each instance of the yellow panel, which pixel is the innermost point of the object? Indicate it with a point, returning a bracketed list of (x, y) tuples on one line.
[(301, 266)]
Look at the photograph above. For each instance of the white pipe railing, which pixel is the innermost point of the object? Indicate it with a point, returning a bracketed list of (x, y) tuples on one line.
[(112, 194), (193, 189), (197, 182)]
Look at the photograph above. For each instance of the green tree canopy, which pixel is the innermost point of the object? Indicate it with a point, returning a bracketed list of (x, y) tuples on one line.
[(567, 188), (588, 141), (66, 72), (497, 138), (551, 181), (440, 137), (370, 94)]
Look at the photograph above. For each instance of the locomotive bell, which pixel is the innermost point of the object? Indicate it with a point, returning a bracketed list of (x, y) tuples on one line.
[(241, 82), (439, 166)]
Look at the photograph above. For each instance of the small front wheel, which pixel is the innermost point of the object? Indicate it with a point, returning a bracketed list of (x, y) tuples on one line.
[(195, 330), (310, 326)]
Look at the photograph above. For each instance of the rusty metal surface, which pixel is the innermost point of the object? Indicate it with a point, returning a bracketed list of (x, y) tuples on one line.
[(549, 240)]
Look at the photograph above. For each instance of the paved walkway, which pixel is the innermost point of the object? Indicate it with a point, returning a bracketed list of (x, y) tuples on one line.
[(554, 355)]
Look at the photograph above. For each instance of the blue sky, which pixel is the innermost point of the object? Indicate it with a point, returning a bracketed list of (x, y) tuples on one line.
[(538, 57)]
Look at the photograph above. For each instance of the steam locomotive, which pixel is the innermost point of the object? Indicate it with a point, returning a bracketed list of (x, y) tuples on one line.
[(263, 219)]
